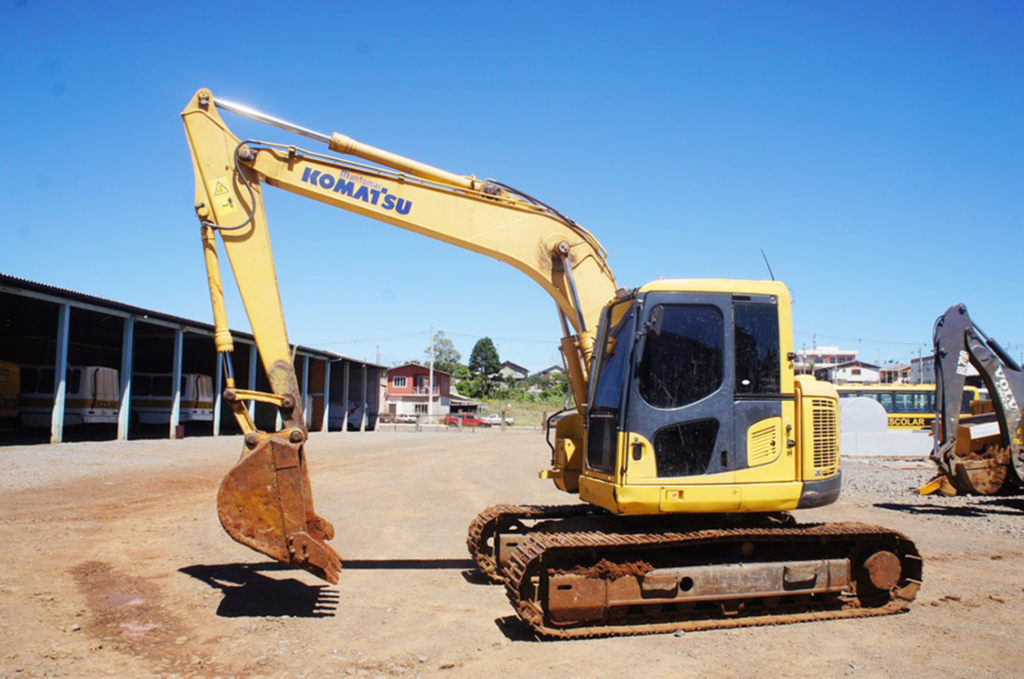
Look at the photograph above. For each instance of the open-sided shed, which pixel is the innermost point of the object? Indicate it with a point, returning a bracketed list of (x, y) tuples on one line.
[(83, 355)]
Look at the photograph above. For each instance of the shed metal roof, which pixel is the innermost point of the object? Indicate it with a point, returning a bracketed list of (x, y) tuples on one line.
[(15, 285)]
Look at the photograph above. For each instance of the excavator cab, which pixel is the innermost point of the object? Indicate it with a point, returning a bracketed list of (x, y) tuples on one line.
[(693, 405)]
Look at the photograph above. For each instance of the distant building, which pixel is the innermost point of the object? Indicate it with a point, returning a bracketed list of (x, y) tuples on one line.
[(510, 369), (547, 373), (408, 391), (922, 371), (855, 372), (894, 373), (53, 331), (808, 361)]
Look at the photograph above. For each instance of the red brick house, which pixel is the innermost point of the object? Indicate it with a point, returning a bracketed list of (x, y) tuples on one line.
[(408, 391)]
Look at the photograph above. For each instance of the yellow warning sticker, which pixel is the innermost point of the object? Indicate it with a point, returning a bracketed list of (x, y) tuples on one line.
[(224, 202)]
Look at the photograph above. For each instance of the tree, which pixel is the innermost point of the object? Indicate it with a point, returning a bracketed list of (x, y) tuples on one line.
[(446, 356), (557, 387), (472, 387), (483, 360)]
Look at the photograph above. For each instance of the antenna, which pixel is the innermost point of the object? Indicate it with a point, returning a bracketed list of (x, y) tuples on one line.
[(767, 264)]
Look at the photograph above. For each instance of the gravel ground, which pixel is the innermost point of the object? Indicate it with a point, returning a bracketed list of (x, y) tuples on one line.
[(892, 484), (115, 565)]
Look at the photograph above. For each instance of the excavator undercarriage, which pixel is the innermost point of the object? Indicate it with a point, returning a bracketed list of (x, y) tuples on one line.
[(573, 571)]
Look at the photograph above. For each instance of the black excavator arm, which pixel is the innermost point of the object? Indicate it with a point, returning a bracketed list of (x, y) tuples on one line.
[(959, 342)]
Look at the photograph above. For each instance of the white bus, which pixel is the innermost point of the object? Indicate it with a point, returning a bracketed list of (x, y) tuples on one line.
[(91, 395), (10, 386), (152, 398), (355, 417)]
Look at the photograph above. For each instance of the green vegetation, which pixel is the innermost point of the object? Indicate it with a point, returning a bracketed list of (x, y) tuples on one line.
[(483, 364), (549, 391), (446, 356), (526, 400), (526, 414)]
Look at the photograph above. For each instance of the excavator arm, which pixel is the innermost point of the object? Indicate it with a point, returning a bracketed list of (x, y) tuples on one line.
[(265, 501), (959, 342)]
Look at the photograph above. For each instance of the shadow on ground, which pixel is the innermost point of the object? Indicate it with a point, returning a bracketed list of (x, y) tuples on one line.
[(982, 507), (515, 629), (406, 564), (475, 576), (249, 593)]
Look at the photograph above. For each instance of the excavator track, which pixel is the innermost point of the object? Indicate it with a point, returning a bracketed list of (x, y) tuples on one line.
[(594, 584), (484, 530)]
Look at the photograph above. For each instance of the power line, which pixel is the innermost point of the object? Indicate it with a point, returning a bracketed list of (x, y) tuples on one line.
[(424, 333), (502, 339), (859, 339), (372, 339)]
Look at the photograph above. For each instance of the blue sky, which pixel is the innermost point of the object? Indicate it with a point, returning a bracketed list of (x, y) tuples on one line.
[(873, 150)]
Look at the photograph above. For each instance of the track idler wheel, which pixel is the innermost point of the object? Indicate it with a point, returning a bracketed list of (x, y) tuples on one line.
[(265, 503), (884, 570)]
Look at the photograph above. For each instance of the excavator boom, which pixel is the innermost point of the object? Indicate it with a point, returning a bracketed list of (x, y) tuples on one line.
[(265, 501)]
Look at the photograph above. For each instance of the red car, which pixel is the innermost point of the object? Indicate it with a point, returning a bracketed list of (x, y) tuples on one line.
[(466, 420)]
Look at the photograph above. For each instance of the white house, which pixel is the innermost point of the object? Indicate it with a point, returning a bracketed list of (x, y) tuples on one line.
[(849, 372), (510, 369), (808, 361)]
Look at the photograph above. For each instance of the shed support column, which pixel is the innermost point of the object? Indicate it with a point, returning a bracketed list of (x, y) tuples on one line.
[(60, 369), (179, 346), (278, 420), (344, 397), (327, 395), (251, 385), (307, 408), (127, 361), (218, 387), (366, 403)]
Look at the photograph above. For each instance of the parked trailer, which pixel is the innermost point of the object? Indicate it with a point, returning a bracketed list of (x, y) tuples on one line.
[(354, 419), (152, 398), (10, 385), (91, 395)]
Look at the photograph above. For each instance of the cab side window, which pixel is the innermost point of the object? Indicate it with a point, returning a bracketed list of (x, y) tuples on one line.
[(758, 360)]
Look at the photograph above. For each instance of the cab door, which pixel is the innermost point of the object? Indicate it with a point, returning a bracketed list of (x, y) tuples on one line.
[(764, 415), (680, 396)]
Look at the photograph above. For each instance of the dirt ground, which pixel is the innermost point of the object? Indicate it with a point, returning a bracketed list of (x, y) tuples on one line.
[(114, 564)]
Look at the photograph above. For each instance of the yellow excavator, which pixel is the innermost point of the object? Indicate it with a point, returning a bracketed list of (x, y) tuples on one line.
[(689, 441)]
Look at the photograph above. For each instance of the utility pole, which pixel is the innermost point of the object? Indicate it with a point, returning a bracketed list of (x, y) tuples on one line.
[(430, 381)]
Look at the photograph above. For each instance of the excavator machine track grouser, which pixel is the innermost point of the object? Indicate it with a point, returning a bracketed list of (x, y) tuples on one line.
[(484, 539), (593, 584)]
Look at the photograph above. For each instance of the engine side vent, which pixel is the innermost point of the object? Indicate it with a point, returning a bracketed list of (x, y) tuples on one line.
[(826, 436), (763, 442)]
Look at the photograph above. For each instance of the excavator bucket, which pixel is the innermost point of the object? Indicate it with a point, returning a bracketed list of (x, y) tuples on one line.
[(266, 504)]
